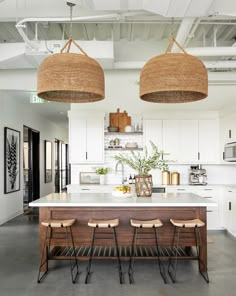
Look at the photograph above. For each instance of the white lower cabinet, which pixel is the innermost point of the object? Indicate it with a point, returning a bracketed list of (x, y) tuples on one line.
[(229, 211), (213, 213)]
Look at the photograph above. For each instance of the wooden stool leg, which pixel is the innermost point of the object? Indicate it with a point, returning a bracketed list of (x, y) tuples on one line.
[(198, 235), (42, 261), (118, 257), (90, 258), (131, 260), (161, 265), (73, 278)]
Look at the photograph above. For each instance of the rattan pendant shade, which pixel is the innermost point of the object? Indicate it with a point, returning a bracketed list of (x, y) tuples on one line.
[(70, 77), (173, 78)]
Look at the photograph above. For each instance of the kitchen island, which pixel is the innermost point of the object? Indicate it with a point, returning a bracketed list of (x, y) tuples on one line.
[(83, 206)]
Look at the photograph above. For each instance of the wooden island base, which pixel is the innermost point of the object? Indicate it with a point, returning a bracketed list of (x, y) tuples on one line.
[(82, 233)]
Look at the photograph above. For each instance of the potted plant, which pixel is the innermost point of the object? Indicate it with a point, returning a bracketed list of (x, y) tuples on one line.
[(143, 163), (102, 171)]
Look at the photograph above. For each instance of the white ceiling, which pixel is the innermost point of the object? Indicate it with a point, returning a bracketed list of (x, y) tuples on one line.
[(135, 30)]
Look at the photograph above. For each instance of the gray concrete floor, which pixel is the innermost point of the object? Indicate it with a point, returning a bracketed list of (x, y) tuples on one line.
[(19, 260)]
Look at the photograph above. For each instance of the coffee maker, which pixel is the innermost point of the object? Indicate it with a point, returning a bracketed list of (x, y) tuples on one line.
[(197, 175)]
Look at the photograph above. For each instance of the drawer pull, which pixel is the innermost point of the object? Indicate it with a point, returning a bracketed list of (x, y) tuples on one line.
[(230, 191), (85, 189), (209, 211), (208, 196), (208, 189), (230, 206), (181, 189)]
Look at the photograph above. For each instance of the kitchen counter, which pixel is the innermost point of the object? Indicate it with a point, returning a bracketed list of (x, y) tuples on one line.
[(107, 200)]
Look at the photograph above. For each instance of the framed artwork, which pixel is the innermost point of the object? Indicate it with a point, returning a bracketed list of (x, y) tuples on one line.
[(48, 161), (11, 160), (89, 178)]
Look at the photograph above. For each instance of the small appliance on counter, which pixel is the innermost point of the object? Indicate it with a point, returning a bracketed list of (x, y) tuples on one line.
[(197, 175)]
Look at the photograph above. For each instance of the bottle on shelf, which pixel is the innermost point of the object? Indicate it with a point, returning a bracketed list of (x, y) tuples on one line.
[(133, 181), (130, 180)]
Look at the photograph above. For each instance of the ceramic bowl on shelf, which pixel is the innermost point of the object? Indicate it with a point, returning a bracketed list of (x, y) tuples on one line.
[(113, 129), (131, 145)]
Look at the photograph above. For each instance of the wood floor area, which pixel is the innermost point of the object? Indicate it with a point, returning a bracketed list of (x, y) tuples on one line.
[(19, 258)]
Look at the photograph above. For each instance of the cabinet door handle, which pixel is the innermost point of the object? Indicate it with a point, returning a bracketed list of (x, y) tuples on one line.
[(223, 156), (85, 189), (198, 155), (208, 189), (181, 189), (230, 133), (209, 211), (208, 196), (86, 155), (229, 190), (230, 206)]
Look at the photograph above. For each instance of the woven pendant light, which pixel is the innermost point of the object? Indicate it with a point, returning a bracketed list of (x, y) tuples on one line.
[(70, 77), (173, 78)]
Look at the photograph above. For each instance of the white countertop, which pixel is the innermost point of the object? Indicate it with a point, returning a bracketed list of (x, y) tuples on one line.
[(107, 200)]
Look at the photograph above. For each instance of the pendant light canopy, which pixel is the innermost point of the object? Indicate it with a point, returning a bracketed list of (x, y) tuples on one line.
[(70, 77), (173, 78)]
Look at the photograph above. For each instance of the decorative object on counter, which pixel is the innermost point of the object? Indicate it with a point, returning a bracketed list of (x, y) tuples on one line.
[(175, 178), (89, 178), (113, 129), (119, 119), (165, 177), (102, 171), (143, 163), (11, 160), (70, 77), (162, 80)]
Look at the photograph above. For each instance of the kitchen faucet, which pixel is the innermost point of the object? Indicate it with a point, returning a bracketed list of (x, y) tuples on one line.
[(122, 170)]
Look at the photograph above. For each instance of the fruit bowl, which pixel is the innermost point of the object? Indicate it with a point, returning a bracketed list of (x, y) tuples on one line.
[(122, 191), (122, 194)]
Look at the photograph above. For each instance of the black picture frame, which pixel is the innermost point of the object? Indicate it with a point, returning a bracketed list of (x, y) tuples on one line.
[(12, 140), (48, 161)]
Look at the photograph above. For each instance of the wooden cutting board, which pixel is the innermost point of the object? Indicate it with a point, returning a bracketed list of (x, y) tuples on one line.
[(120, 119)]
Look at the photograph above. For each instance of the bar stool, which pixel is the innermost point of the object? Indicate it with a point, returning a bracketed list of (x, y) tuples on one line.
[(194, 224), (138, 225), (95, 224), (50, 225)]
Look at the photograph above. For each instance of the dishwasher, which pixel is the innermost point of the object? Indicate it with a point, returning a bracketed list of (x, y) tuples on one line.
[(158, 189)]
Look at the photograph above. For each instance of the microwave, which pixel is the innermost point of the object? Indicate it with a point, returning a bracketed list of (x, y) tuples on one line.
[(230, 152)]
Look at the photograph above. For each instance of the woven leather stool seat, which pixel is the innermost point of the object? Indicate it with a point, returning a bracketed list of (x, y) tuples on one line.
[(146, 223), (58, 223), (187, 223), (103, 223)]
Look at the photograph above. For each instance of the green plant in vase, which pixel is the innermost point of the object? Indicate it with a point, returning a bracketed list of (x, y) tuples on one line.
[(102, 171), (143, 163)]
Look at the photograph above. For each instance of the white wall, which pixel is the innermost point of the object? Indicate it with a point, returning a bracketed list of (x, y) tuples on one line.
[(13, 114)]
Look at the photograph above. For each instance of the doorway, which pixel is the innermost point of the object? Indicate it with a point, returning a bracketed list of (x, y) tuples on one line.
[(62, 169), (31, 166)]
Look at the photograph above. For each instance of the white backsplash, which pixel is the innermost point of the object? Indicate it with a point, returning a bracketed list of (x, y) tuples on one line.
[(216, 174)]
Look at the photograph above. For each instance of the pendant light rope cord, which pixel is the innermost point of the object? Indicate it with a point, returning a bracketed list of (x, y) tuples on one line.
[(172, 41)]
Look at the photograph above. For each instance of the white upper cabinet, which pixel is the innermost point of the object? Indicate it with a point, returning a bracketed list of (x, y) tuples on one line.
[(189, 141), (208, 141), (171, 136), (152, 131), (86, 139), (185, 141)]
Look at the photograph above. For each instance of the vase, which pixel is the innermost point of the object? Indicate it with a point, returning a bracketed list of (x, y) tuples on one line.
[(102, 179), (143, 185)]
